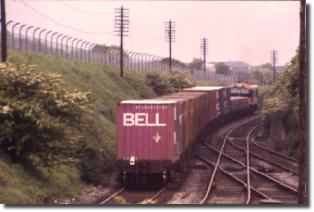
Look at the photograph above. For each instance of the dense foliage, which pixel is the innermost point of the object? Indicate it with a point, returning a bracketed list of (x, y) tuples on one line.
[(263, 74), (172, 82), (197, 63), (222, 68), (35, 115), (280, 106)]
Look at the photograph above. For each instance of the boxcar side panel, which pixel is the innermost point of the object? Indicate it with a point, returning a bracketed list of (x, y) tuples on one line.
[(145, 131)]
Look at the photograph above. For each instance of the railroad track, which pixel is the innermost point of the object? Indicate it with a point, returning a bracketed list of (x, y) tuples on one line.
[(280, 160), (250, 186), (279, 166), (125, 196)]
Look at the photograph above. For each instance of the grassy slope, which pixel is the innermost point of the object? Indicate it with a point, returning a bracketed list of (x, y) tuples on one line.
[(17, 184)]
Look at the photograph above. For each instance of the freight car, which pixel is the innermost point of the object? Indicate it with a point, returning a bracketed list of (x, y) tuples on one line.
[(154, 136), (246, 89), (223, 103)]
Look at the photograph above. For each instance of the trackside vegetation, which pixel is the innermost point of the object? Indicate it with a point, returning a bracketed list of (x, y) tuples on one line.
[(280, 110), (57, 123)]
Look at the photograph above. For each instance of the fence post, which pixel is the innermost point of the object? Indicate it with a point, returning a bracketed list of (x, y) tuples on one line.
[(39, 39), (34, 32), (20, 36), (66, 47)]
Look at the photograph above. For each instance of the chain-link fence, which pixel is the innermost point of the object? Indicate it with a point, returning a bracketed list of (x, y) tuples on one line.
[(23, 37)]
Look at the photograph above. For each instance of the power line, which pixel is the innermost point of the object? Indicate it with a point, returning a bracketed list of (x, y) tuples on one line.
[(204, 50), (61, 24), (145, 34), (4, 48), (85, 11), (170, 37), (121, 28), (274, 59), (184, 51)]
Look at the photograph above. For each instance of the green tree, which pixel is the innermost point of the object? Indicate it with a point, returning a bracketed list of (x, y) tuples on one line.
[(196, 63), (222, 68), (175, 62)]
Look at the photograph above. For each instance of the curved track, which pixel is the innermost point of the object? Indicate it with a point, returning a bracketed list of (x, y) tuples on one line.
[(126, 196), (250, 186)]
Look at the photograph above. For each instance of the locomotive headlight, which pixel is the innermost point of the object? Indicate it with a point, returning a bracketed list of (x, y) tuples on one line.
[(132, 160)]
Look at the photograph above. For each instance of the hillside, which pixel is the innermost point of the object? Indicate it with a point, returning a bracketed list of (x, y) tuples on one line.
[(57, 117), (24, 182)]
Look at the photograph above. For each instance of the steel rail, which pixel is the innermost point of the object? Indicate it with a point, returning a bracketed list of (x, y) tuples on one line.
[(294, 190), (235, 178), (123, 189), (112, 196), (264, 159), (248, 163), (274, 152), (158, 193), (219, 157)]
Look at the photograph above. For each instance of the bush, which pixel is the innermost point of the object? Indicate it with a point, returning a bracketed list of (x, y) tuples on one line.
[(280, 105), (36, 113), (174, 81)]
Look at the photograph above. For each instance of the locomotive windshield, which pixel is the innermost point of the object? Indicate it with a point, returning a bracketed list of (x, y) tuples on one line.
[(239, 92)]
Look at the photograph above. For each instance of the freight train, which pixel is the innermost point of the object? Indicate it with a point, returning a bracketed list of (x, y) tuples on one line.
[(154, 136), (246, 89)]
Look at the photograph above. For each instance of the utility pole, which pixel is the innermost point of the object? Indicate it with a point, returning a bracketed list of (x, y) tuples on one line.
[(204, 50), (121, 28), (274, 58), (302, 191), (170, 37), (4, 48)]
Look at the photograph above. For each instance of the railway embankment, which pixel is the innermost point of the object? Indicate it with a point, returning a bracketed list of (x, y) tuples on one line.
[(279, 107), (58, 123)]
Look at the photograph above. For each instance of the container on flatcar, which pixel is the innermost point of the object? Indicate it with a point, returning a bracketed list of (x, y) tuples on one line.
[(194, 114), (227, 100), (214, 104), (146, 135), (223, 104)]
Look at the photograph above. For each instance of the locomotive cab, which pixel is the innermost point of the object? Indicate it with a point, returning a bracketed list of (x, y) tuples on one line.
[(246, 89)]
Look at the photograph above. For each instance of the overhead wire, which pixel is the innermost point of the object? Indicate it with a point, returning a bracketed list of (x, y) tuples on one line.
[(84, 11), (145, 34), (61, 24), (97, 33)]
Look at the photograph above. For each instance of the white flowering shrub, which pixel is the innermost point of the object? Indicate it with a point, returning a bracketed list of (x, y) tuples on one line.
[(36, 112)]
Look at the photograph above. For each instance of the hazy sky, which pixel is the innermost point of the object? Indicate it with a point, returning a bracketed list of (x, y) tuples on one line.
[(236, 30)]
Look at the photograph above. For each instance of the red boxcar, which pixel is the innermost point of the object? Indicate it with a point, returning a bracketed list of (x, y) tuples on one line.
[(153, 135), (145, 135), (215, 93)]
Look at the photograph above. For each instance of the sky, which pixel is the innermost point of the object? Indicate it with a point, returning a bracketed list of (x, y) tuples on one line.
[(236, 30)]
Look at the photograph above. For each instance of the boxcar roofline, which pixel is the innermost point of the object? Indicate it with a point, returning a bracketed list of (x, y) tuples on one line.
[(155, 101)]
